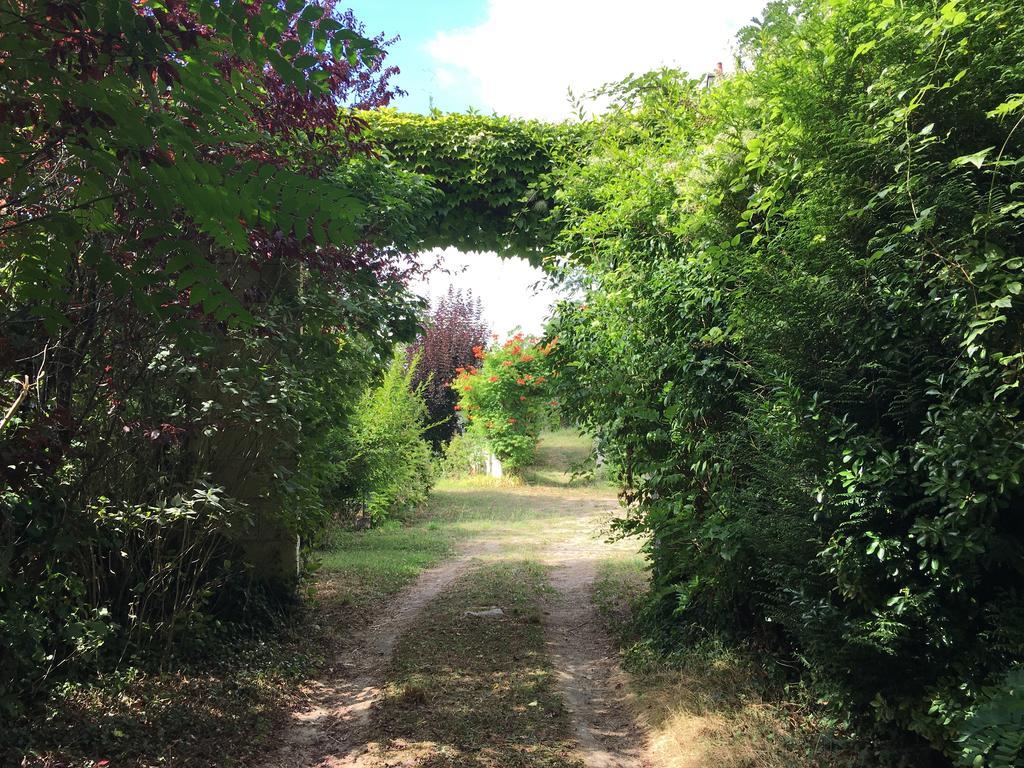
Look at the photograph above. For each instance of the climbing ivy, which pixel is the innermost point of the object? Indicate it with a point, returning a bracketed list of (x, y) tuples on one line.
[(494, 175)]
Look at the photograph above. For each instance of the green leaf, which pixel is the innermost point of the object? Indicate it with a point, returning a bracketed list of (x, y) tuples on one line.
[(976, 159)]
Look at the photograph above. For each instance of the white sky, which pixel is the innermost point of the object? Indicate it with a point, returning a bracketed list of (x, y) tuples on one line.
[(526, 55), (504, 286), (523, 58)]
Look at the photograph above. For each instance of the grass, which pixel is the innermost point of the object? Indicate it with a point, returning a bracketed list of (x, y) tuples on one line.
[(220, 705), (562, 458), (477, 692), (712, 705), (360, 569)]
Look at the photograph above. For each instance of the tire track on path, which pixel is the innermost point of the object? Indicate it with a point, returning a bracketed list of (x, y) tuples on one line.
[(584, 658), (330, 731)]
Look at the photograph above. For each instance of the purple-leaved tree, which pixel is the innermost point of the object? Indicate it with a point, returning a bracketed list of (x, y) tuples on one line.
[(451, 331)]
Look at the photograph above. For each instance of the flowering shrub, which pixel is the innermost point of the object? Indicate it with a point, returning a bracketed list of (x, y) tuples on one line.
[(505, 397)]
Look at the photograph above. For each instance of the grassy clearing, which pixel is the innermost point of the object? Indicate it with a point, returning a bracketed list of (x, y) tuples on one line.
[(477, 692), (524, 508), (712, 705), (562, 455), (362, 568)]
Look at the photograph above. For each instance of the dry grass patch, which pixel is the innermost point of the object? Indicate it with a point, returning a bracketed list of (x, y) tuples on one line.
[(711, 706)]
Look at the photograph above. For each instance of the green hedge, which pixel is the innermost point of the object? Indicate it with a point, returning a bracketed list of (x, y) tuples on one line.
[(802, 342)]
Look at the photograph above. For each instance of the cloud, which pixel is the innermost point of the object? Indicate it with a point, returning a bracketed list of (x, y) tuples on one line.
[(445, 77), (526, 54), (505, 287)]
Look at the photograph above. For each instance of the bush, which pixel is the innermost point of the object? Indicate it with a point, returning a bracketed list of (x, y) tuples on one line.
[(188, 312), (392, 465), (992, 733), (466, 454), (802, 341), (506, 399)]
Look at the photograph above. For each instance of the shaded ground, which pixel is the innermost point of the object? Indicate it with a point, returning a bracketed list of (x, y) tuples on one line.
[(535, 684), (327, 728), (386, 668)]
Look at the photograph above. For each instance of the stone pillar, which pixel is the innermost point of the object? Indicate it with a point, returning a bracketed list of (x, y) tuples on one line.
[(493, 466)]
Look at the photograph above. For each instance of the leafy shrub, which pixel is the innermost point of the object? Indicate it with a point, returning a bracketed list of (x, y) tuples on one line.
[(506, 399), (193, 307), (992, 734), (153, 575), (392, 465), (466, 454), (801, 346)]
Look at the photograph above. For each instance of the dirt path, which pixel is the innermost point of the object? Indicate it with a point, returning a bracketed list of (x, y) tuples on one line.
[(585, 663), (335, 731), (329, 731)]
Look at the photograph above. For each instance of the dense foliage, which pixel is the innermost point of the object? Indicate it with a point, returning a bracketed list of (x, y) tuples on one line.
[(451, 331), (802, 342), (201, 269), (390, 464), (505, 398), (493, 175)]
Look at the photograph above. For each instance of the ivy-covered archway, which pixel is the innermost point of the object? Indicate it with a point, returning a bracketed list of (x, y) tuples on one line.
[(493, 176)]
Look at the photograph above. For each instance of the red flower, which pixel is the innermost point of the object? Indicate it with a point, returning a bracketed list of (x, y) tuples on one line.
[(492, 379), (508, 363), (478, 352), (520, 382), (522, 397), (526, 358), (512, 419), (458, 407)]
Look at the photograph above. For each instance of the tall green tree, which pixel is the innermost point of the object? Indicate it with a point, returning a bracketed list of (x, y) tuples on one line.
[(200, 269)]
